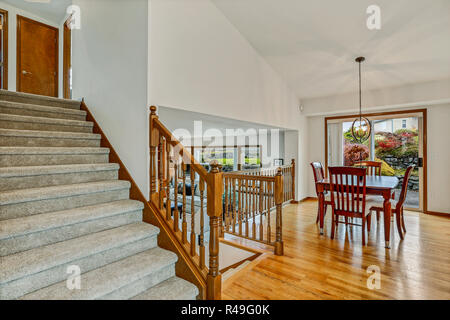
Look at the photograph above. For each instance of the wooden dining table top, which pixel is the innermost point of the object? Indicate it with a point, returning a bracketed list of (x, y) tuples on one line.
[(373, 183)]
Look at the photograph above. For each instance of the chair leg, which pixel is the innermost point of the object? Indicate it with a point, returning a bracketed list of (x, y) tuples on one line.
[(399, 224), (363, 231), (318, 214), (369, 221), (333, 225), (403, 221), (325, 210)]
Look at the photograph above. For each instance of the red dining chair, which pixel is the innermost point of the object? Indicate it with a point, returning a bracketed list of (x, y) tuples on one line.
[(397, 205), (348, 197), (319, 175), (373, 167)]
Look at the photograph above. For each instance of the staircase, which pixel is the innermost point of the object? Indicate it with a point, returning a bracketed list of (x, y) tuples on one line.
[(61, 205)]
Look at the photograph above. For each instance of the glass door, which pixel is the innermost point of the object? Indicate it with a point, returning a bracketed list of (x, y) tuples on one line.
[(396, 141), (397, 145)]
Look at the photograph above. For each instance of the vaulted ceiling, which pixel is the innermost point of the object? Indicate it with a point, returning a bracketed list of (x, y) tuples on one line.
[(313, 44)]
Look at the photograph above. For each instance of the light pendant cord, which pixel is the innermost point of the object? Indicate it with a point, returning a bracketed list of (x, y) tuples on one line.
[(360, 95)]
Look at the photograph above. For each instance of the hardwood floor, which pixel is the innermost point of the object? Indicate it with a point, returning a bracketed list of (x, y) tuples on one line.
[(316, 267)]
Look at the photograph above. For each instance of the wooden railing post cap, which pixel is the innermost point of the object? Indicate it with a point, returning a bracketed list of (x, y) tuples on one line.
[(153, 110), (293, 161), (215, 166), (279, 171)]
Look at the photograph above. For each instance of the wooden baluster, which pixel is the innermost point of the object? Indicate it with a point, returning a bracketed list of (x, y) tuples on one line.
[(293, 181), (261, 201), (214, 203), (234, 204), (247, 208), (288, 184), (168, 180), (192, 211), (279, 246), (240, 206), (154, 139), (254, 209), (184, 223), (161, 172), (264, 199), (176, 212), (269, 231), (287, 190), (226, 213), (201, 240)]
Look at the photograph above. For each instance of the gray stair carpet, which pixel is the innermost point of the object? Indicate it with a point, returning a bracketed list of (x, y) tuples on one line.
[(62, 208)]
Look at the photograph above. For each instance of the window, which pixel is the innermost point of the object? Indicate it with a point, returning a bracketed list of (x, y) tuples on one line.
[(231, 158), (404, 124)]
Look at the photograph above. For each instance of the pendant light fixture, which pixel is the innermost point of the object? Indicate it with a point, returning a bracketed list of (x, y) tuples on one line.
[(361, 127)]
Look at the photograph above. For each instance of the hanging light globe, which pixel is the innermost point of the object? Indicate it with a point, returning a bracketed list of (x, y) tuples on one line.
[(361, 127), (361, 130)]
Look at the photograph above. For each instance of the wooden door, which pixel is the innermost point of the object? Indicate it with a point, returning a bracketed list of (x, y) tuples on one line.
[(67, 61), (4, 49), (37, 57)]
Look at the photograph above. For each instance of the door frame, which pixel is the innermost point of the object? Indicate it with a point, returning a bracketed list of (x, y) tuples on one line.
[(18, 56), (423, 111), (67, 59), (5, 48)]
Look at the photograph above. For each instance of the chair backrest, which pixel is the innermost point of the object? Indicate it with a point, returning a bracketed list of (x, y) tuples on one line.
[(318, 173), (348, 189), (402, 197), (373, 167)]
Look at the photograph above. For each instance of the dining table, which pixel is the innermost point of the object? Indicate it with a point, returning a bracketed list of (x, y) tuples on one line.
[(382, 186)]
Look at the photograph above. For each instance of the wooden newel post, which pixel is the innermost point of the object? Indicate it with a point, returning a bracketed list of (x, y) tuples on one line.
[(154, 141), (214, 207), (293, 181), (279, 247)]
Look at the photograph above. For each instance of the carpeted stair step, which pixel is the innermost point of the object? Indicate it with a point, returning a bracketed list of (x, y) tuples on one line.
[(39, 100), (33, 110), (15, 178), (31, 138), (171, 289), (11, 121), (28, 271), (21, 234), (27, 202), (120, 280), (40, 156)]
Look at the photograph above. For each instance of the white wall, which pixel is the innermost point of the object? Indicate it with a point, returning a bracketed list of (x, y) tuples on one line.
[(435, 96), (413, 95), (200, 62), (110, 71), (225, 132), (291, 139), (438, 155), (12, 43), (438, 132)]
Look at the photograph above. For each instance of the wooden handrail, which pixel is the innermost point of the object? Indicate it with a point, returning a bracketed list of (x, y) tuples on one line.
[(188, 158), (168, 161)]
